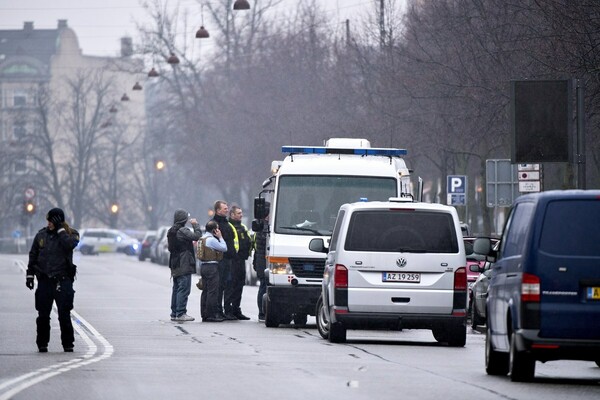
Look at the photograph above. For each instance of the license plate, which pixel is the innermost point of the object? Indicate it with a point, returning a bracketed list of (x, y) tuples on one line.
[(593, 293), (401, 277)]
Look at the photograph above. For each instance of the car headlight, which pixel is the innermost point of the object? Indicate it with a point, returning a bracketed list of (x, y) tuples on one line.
[(280, 265)]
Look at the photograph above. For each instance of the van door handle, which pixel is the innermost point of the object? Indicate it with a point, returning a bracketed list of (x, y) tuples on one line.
[(510, 275)]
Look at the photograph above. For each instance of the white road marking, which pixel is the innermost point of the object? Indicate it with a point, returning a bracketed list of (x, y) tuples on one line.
[(29, 379)]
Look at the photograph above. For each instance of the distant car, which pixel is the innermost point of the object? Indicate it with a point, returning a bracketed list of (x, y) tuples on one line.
[(251, 277), (162, 250), (543, 300), (160, 233), (99, 240), (393, 265), (147, 241)]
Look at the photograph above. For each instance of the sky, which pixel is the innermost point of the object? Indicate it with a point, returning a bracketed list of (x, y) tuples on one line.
[(99, 24)]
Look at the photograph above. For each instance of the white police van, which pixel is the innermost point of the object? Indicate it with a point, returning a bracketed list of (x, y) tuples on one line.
[(304, 195)]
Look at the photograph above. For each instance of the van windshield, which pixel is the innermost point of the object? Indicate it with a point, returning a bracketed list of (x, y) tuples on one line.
[(309, 204), (571, 228), (402, 231)]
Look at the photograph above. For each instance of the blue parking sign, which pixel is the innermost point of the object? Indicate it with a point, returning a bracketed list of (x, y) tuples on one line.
[(457, 190)]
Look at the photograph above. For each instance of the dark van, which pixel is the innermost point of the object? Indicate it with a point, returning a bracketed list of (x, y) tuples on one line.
[(544, 295)]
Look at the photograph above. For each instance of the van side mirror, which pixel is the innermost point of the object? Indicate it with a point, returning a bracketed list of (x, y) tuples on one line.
[(317, 245), (260, 208)]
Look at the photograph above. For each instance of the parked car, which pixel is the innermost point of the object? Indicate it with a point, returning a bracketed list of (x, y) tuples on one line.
[(475, 265), (99, 240), (543, 298), (147, 241), (477, 295), (394, 265), (160, 233), (162, 250)]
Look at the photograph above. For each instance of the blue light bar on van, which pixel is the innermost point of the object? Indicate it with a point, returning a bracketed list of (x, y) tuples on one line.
[(341, 150)]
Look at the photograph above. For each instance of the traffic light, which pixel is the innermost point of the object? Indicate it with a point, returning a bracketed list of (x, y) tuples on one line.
[(28, 208)]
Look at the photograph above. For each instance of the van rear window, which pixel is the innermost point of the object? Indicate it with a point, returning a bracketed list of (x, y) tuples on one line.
[(571, 228), (407, 231)]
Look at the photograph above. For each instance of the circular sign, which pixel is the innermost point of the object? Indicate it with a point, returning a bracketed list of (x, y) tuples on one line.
[(29, 193)]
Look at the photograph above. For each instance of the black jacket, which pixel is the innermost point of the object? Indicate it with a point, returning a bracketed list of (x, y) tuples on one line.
[(51, 253), (228, 235), (244, 241), (182, 258)]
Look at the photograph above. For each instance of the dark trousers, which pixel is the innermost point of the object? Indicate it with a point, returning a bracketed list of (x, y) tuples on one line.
[(209, 300), (262, 289), (48, 292), (235, 286), (224, 280)]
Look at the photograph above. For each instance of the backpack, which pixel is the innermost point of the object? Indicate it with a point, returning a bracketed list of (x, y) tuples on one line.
[(172, 238)]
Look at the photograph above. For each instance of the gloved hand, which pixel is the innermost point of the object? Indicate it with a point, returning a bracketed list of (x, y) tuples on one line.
[(29, 282), (56, 221)]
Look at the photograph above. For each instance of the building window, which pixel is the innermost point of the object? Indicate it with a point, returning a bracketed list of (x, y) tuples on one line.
[(19, 99), (19, 130)]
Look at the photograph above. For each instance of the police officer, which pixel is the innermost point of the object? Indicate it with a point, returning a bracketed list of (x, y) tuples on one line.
[(243, 247), (51, 262)]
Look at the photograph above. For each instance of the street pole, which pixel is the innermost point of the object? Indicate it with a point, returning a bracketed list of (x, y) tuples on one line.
[(580, 156)]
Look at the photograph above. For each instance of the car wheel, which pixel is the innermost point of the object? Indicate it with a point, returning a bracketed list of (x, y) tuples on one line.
[(457, 335), (300, 319), (86, 250), (521, 364), (322, 319), (440, 334), (476, 320), (598, 363), (271, 316), (337, 333), (496, 363)]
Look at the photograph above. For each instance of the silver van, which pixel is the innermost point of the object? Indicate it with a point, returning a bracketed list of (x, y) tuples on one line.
[(394, 265)]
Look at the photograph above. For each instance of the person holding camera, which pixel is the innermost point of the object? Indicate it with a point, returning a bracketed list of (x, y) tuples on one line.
[(51, 262), (212, 246), (182, 262)]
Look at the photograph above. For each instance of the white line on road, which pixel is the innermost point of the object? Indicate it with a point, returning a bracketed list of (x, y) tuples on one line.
[(32, 378)]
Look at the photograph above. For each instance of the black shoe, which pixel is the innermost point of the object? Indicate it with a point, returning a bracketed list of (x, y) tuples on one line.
[(242, 317), (43, 349), (212, 319), (68, 349), (261, 317), (230, 317)]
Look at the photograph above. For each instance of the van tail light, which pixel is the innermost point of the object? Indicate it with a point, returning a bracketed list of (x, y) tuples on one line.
[(459, 303), (460, 279), (340, 288), (530, 288), (340, 276)]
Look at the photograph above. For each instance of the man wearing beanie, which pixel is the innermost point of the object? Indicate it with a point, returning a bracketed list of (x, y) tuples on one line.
[(182, 261), (51, 262)]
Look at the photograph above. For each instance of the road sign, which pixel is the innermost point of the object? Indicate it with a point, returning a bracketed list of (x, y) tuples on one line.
[(528, 167), (29, 193), (16, 234), (501, 182), (529, 186), (529, 175), (457, 190)]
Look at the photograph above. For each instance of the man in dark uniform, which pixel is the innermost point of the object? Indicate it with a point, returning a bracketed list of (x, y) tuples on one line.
[(233, 292), (221, 212), (51, 262)]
